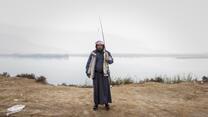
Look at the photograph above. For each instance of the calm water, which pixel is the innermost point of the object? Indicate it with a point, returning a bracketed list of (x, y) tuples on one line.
[(72, 70)]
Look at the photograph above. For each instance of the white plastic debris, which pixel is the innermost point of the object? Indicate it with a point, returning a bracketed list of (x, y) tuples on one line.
[(15, 109)]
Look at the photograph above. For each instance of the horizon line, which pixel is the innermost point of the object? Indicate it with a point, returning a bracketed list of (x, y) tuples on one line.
[(120, 55)]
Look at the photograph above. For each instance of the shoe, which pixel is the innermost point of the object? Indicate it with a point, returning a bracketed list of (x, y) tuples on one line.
[(95, 108), (107, 107)]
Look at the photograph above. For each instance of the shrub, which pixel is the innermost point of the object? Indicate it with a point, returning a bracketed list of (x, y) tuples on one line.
[(205, 79), (64, 84), (41, 79), (159, 79), (29, 76), (85, 86), (176, 79), (156, 79), (120, 81), (5, 74), (127, 81)]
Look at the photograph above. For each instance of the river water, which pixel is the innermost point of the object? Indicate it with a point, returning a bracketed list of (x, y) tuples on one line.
[(72, 70)]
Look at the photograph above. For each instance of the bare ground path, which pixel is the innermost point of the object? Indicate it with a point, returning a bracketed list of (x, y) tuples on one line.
[(134, 100)]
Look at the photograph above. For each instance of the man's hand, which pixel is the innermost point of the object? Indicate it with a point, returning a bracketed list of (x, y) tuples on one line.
[(106, 56)]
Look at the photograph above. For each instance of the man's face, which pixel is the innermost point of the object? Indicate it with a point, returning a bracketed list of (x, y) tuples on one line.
[(100, 47)]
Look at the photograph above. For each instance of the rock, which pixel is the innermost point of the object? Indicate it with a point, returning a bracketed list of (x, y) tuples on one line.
[(86, 112), (15, 100)]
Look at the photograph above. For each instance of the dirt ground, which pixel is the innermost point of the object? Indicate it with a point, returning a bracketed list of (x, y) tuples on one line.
[(134, 100)]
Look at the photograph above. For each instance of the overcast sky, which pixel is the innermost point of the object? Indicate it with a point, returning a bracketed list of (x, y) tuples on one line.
[(130, 26)]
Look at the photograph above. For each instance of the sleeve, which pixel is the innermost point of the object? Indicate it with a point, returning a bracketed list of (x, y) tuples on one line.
[(88, 63), (110, 60)]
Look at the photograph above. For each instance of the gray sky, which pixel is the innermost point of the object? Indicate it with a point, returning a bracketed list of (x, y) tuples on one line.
[(130, 26)]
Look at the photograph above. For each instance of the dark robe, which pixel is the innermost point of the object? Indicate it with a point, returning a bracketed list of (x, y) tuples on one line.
[(101, 84)]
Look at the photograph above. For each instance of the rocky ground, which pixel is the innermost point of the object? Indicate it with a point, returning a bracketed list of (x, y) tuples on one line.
[(134, 100)]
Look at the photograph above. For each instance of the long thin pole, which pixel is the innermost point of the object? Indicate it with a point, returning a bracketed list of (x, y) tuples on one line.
[(101, 26)]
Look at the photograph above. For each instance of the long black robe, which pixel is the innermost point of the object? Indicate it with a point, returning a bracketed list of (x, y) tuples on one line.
[(101, 84)]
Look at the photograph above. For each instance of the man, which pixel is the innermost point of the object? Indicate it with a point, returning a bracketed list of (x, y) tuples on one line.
[(97, 68)]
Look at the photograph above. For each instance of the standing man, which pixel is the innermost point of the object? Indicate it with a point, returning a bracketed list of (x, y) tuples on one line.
[(97, 68)]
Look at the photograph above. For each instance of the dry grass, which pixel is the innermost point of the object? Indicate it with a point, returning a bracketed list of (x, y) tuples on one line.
[(133, 100)]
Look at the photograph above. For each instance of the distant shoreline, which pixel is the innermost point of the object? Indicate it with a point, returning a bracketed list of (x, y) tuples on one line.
[(119, 55)]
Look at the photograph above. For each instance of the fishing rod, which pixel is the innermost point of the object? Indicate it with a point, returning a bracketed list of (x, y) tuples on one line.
[(101, 26)]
